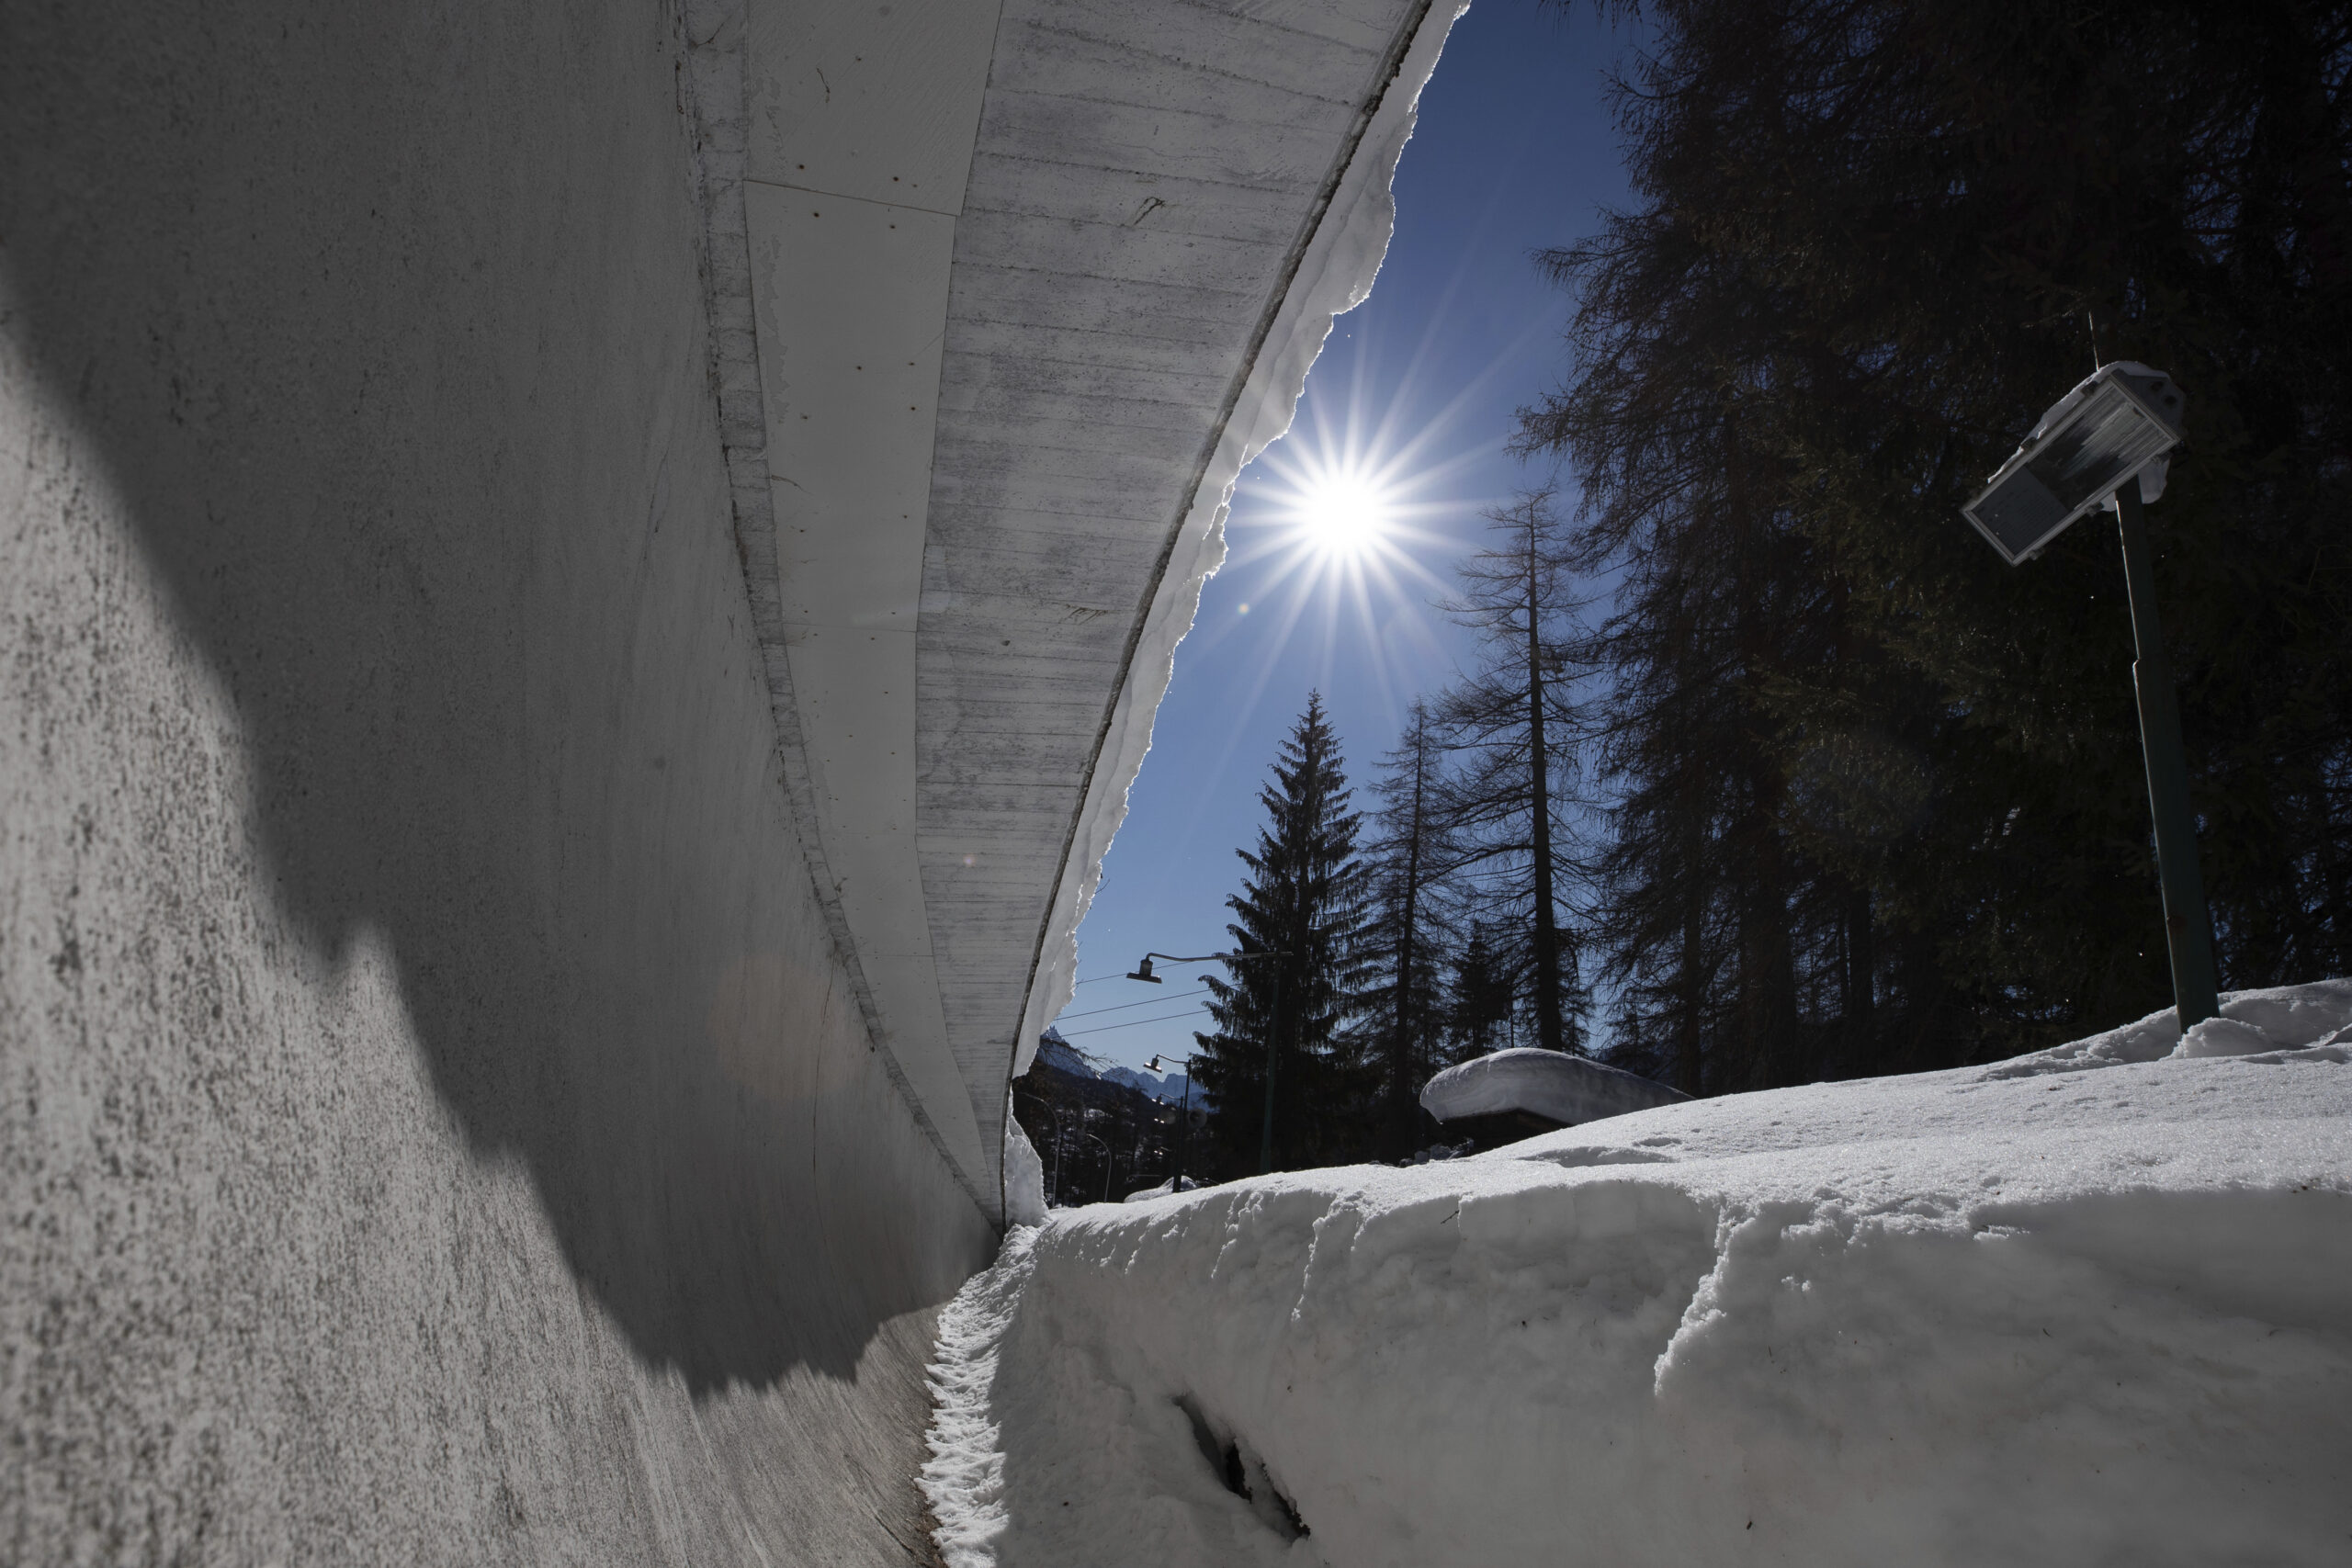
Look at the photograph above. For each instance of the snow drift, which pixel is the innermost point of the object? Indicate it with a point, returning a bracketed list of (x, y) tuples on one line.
[(2085, 1306)]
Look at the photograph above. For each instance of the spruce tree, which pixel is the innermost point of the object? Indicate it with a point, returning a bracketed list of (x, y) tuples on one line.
[(1303, 904), (1412, 859), (1479, 1000)]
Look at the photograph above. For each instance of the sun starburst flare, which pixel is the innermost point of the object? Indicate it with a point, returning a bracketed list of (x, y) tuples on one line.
[(1343, 534)]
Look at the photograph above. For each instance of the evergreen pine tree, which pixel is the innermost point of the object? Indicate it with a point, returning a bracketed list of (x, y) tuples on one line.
[(1412, 860), (1303, 904), (1479, 1001)]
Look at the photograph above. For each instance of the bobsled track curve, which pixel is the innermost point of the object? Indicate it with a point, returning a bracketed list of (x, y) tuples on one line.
[(447, 1112)]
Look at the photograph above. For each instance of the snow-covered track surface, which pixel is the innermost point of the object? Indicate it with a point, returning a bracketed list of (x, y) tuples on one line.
[(2090, 1305)]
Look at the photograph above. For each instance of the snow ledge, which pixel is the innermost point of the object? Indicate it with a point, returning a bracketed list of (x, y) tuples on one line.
[(2082, 1306)]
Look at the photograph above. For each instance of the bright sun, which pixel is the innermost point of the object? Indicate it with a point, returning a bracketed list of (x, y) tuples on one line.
[(1342, 513)]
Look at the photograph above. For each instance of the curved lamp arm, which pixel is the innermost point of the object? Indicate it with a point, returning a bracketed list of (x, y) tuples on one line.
[(1143, 970)]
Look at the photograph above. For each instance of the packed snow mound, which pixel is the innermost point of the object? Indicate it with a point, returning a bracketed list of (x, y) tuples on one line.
[(2292, 1018), (2086, 1306), (1570, 1091)]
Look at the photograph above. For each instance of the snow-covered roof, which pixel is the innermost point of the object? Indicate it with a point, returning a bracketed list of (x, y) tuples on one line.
[(1021, 286), (1164, 1189), (1567, 1090)]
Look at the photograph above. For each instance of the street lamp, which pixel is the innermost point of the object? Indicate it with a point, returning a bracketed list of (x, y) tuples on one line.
[(2106, 444), (1106, 1161), (1273, 1027), (1183, 1120)]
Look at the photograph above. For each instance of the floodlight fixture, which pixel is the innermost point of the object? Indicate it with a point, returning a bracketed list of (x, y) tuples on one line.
[(2108, 443), (1143, 970), (2125, 419)]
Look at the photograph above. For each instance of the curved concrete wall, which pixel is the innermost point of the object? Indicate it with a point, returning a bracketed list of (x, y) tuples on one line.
[(433, 1124), (1012, 290), (534, 794)]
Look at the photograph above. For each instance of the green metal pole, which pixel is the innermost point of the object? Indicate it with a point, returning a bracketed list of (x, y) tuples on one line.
[(1273, 1043), (1183, 1130), (2188, 927)]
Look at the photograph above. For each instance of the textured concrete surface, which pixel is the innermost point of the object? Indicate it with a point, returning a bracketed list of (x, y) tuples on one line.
[(995, 326), (433, 1126), (1167, 205)]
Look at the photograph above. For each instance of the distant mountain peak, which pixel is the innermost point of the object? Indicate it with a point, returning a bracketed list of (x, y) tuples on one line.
[(1059, 1054)]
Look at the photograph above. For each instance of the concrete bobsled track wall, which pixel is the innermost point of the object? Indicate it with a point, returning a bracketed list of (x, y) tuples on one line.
[(434, 1126)]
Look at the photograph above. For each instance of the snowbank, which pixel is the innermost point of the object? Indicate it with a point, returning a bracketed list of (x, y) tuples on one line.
[(2088, 1305), (1567, 1089)]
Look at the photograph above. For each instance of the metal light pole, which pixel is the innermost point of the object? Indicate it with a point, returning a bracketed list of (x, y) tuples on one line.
[(2100, 445), (2189, 925), (1106, 1162), (1183, 1120), (1273, 1048), (1274, 1033), (1054, 1112)]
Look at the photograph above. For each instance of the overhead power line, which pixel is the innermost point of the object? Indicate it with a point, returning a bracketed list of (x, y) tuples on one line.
[(1147, 1001), (1131, 1023)]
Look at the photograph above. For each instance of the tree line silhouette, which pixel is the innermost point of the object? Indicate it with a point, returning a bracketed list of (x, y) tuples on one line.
[(1768, 771)]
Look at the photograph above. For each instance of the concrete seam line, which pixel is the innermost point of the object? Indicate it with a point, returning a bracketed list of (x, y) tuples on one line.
[(1391, 65), (711, 81)]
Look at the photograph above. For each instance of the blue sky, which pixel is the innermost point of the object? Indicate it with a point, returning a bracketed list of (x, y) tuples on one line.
[(1414, 396)]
